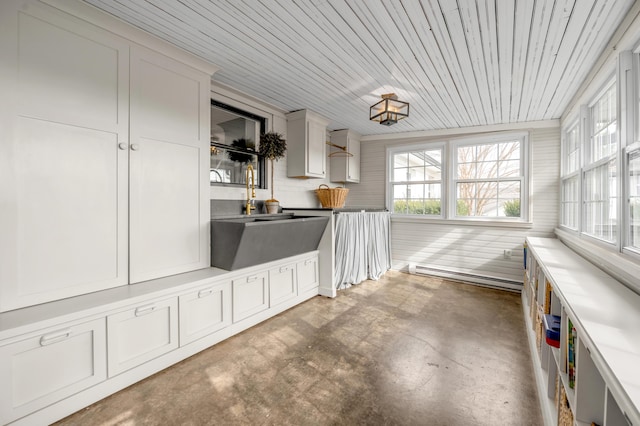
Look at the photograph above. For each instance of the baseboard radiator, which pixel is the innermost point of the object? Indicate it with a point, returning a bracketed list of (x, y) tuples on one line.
[(482, 280)]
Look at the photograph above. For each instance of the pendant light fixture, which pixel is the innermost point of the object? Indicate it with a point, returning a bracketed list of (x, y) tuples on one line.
[(389, 110)]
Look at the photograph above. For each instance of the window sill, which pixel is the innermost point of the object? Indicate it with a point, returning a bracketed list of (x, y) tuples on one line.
[(461, 222)]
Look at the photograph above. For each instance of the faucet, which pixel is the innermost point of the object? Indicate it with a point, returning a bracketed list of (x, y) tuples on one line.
[(250, 198)]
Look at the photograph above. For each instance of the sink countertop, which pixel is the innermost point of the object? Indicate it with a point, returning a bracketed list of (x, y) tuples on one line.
[(241, 216)]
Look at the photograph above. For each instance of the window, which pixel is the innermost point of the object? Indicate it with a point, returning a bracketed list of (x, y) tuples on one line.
[(600, 170), (484, 178), (234, 137), (570, 182), (488, 179), (416, 182)]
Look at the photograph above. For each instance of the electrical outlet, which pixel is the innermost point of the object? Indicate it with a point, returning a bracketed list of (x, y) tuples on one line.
[(507, 254)]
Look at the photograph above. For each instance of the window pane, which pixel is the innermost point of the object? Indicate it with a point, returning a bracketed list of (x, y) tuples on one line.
[(604, 139), (572, 150), (489, 180), (417, 166), (570, 193), (600, 202), (634, 199)]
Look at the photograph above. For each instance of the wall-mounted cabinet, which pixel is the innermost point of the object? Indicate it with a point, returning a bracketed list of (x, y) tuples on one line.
[(588, 375), (105, 157), (306, 144), (344, 167)]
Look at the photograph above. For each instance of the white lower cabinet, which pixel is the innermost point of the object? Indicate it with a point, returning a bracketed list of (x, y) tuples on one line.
[(71, 361), (308, 274), (50, 366), (282, 284), (250, 295), (204, 311), (141, 334)]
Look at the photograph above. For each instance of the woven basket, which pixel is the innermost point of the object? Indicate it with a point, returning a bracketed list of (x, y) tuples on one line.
[(565, 415), (331, 197)]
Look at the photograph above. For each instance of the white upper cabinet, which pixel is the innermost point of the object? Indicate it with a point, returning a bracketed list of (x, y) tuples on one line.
[(63, 180), (169, 157), (345, 168), (306, 144), (103, 156)]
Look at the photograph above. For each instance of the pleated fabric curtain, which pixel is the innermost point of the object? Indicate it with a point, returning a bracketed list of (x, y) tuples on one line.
[(363, 247)]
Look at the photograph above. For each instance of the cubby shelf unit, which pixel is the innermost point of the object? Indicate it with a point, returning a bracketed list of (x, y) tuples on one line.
[(606, 318)]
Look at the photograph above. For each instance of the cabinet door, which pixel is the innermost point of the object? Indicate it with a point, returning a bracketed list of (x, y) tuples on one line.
[(63, 178), (282, 284), (169, 187), (343, 168), (250, 295), (316, 144), (51, 366), (353, 163), (204, 311), (141, 334), (308, 274)]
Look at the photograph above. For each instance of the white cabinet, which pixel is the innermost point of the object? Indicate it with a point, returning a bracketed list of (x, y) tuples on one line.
[(306, 144), (308, 274), (49, 366), (204, 311), (104, 173), (250, 295), (63, 179), (282, 284), (141, 333), (345, 168), (169, 156)]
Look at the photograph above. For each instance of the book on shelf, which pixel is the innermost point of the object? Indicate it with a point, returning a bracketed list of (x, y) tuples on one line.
[(571, 351)]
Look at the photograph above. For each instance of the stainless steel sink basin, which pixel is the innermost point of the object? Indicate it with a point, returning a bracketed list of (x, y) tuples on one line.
[(240, 242)]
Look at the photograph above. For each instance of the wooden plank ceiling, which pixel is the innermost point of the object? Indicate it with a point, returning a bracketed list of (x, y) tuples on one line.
[(459, 63)]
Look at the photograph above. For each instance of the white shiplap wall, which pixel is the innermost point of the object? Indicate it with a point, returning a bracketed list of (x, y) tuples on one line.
[(468, 249)]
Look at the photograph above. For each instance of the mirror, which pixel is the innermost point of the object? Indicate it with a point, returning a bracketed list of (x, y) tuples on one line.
[(234, 138)]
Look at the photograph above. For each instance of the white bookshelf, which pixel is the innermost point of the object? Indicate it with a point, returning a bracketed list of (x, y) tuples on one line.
[(606, 317)]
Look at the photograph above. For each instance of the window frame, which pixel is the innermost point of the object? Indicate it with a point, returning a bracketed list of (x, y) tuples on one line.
[(566, 176), (590, 166), (448, 203)]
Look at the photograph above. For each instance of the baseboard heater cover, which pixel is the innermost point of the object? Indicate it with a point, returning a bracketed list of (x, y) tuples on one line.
[(482, 280)]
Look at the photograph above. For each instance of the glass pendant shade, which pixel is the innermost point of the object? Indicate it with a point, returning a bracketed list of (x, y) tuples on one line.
[(389, 110)]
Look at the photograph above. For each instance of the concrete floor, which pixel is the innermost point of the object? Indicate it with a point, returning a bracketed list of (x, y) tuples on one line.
[(405, 350)]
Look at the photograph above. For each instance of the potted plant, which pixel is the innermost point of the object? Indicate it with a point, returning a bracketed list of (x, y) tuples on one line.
[(272, 147)]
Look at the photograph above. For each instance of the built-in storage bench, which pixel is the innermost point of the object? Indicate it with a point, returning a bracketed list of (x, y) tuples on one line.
[(593, 376), (58, 357)]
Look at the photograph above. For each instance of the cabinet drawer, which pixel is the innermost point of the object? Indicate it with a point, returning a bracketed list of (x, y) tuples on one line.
[(308, 274), (282, 284), (141, 334), (51, 366), (250, 295), (204, 311)]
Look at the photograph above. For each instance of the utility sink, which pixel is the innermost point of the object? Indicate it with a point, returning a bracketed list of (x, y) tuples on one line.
[(251, 240)]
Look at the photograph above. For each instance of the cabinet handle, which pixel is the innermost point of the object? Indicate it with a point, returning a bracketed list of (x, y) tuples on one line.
[(284, 269), (205, 293), (144, 310), (123, 146), (134, 147), (56, 336), (252, 278)]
